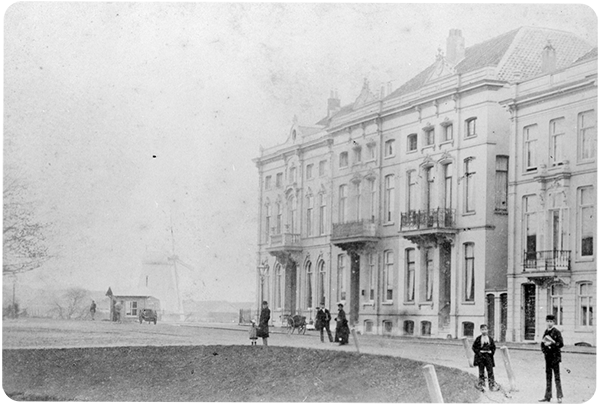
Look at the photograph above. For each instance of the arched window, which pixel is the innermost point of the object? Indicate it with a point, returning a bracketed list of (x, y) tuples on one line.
[(309, 285), (291, 218), (321, 286), (343, 197), (278, 286)]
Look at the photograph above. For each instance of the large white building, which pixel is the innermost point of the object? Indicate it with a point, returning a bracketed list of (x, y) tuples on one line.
[(552, 200), (397, 204)]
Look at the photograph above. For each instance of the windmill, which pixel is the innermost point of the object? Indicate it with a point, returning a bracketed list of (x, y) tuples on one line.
[(161, 278)]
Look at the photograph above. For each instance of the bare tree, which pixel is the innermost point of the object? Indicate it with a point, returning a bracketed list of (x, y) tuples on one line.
[(23, 235), (72, 304)]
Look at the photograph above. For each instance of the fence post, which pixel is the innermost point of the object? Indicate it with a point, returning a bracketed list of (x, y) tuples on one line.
[(433, 386), (468, 351), (508, 366), (355, 340)]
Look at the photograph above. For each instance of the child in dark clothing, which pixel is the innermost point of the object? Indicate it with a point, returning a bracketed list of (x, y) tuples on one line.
[(484, 348)]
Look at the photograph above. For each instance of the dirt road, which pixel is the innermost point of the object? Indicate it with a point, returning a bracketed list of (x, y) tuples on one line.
[(578, 369)]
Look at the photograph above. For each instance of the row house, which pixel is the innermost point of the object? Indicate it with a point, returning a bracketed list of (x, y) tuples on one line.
[(397, 205), (552, 204)]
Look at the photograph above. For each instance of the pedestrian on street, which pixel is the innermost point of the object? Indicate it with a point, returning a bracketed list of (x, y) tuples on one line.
[(342, 331), (263, 323), (118, 312), (93, 309), (252, 333), (322, 322), (552, 342), (484, 348)]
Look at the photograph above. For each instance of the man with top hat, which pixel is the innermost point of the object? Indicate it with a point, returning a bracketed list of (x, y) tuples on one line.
[(552, 341), (322, 322)]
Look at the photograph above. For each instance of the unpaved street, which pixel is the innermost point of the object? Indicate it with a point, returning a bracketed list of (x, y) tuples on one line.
[(578, 369)]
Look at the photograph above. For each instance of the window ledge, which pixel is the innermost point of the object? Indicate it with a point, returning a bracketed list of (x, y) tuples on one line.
[(408, 152), (390, 156), (531, 171), (471, 137), (501, 211), (467, 214), (426, 304), (585, 162), (450, 142), (387, 303), (467, 303), (584, 259), (388, 224), (432, 147), (408, 303), (368, 304), (590, 330)]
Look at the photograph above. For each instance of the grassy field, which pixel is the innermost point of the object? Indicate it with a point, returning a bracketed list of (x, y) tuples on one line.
[(222, 373)]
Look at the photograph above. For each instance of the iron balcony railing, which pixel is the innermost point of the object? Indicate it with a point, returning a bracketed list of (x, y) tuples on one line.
[(427, 219), (362, 228), (547, 260), (285, 239)]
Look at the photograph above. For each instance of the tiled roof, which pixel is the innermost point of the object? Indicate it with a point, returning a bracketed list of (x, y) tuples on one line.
[(592, 54), (525, 54), (517, 50)]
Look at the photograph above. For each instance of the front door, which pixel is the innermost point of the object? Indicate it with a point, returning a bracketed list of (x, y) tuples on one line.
[(529, 311), (354, 287)]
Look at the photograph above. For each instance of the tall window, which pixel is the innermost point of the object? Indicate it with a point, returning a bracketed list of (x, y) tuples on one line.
[(428, 188), (265, 282), (322, 213), (357, 154), (309, 171), (557, 136), (372, 276), (371, 151), (429, 136), (389, 198), (292, 174), (267, 221), (469, 272), (530, 139), (388, 275), (309, 216), (412, 143), (469, 185), (322, 278), (131, 308), (412, 191), (291, 215), (428, 276), (558, 222), (389, 148), (586, 126), (279, 215), (372, 199), (471, 127), (322, 164), (587, 220), (343, 197), (410, 275), (341, 290), (501, 183), (530, 228), (343, 159), (448, 186), (268, 183), (357, 201), (448, 132), (586, 304), (279, 180), (278, 286), (309, 285), (556, 302)]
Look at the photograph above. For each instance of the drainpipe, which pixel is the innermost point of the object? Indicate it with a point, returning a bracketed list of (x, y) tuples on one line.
[(512, 218), (260, 233)]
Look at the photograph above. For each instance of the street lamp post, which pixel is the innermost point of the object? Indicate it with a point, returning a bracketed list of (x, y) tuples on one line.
[(262, 271)]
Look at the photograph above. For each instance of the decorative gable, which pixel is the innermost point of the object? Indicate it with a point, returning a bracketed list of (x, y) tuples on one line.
[(365, 96)]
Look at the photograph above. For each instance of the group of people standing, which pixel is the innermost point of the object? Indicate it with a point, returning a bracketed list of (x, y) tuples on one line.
[(552, 341)]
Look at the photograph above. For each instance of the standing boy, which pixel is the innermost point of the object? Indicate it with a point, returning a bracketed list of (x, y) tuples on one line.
[(552, 341), (484, 348)]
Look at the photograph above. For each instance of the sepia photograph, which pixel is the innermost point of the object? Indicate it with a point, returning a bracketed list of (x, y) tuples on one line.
[(300, 202)]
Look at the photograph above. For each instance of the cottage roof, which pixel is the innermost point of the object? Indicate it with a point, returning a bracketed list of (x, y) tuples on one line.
[(518, 50)]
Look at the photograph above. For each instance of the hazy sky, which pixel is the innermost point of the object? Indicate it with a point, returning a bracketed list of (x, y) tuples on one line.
[(123, 117)]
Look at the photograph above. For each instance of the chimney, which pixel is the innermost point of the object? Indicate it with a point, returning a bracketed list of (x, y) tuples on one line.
[(333, 103), (455, 47), (548, 58)]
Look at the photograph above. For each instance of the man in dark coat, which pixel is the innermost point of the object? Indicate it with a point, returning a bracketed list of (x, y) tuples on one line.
[(552, 342), (484, 348), (342, 331), (263, 323), (322, 322)]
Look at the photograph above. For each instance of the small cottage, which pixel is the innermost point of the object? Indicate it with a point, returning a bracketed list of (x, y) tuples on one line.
[(131, 302)]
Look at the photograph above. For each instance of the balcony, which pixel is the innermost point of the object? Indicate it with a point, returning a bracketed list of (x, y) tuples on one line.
[(355, 233), (547, 265), (285, 241), (428, 226)]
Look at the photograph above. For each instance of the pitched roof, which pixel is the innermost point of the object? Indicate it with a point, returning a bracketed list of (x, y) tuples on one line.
[(592, 54), (517, 50)]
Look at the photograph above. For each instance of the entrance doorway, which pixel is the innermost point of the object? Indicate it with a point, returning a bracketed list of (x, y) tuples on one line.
[(529, 311)]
